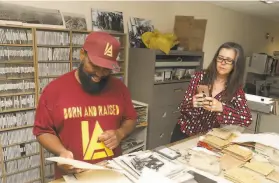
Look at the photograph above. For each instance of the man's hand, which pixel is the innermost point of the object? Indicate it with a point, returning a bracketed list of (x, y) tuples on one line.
[(68, 169), (112, 138)]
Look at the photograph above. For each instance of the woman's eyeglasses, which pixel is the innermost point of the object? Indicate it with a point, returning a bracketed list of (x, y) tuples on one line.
[(226, 60)]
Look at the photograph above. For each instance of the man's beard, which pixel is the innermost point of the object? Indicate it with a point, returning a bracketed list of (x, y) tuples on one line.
[(88, 85)]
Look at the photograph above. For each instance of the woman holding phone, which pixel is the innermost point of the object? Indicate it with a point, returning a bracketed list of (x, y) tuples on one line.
[(215, 96)]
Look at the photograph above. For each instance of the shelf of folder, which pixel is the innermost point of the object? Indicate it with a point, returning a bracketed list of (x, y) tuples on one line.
[(17, 62), (15, 128), (16, 94), (138, 139), (17, 45)]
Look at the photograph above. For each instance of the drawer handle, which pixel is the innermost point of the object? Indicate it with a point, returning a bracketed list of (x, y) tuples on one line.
[(175, 112), (178, 90), (161, 135)]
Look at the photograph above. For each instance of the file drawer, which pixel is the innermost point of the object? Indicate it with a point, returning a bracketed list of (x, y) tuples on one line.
[(268, 123), (169, 94), (163, 121)]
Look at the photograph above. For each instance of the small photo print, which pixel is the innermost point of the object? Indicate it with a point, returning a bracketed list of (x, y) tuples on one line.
[(149, 162), (136, 28), (110, 21), (75, 21)]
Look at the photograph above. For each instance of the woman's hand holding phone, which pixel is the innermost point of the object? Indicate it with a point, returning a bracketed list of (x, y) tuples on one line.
[(198, 100), (212, 104)]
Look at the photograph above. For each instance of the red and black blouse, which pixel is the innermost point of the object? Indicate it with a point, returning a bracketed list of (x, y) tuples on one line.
[(198, 120)]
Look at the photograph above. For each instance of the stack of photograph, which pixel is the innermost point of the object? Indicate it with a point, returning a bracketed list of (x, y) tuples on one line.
[(134, 163)]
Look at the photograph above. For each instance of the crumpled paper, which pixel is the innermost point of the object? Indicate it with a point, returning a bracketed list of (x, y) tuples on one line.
[(159, 41)]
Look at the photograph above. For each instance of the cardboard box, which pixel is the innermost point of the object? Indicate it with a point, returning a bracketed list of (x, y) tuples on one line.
[(190, 32)]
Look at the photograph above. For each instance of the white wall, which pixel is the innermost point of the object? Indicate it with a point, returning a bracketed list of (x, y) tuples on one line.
[(223, 24)]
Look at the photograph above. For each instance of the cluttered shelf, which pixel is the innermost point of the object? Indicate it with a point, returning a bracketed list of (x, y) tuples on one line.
[(138, 139)]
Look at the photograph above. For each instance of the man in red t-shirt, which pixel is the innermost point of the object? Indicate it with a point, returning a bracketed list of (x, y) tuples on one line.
[(85, 113)]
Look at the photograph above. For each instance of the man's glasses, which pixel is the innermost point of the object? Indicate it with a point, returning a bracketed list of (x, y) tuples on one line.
[(226, 60)]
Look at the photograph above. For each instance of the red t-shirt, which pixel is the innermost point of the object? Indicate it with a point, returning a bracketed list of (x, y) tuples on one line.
[(78, 118)]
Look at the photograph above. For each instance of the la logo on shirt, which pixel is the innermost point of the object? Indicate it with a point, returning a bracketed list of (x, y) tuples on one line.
[(92, 149)]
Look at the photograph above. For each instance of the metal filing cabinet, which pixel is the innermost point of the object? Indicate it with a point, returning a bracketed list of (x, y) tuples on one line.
[(268, 123), (164, 95)]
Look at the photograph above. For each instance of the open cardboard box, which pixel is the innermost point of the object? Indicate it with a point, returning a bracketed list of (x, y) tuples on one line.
[(190, 32)]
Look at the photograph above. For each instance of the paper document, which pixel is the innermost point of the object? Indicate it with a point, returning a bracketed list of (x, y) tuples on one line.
[(76, 163), (201, 149), (149, 175), (98, 176), (267, 139)]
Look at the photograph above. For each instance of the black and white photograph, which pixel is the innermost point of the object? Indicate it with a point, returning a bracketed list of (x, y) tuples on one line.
[(135, 162), (150, 162), (136, 28), (111, 21), (30, 16), (75, 21)]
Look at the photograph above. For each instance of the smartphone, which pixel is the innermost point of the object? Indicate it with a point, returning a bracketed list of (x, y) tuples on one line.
[(203, 89)]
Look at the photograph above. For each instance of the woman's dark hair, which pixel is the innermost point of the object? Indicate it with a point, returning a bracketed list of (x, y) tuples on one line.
[(235, 78)]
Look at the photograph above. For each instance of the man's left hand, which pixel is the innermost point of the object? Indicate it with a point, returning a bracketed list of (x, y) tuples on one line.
[(111, 138)]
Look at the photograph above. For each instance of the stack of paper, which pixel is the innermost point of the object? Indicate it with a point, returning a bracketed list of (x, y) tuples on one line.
[(267, 139), (239, 152), (274, 176), (228, 162), (205, 162), (220, 133), (216, 142), (240, 175), (264, 150), (274, 159), (76, 163), (260, 167), (149, 175), (96, 173)]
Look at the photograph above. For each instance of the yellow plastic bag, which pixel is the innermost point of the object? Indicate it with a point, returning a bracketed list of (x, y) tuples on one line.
[(159, 41)]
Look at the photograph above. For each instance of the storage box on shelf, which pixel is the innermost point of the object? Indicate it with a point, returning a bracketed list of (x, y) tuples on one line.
[(53, 60), (77, 41), (53, 54), (49, 167), (19, 150), (161, 80), (137, 140)]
